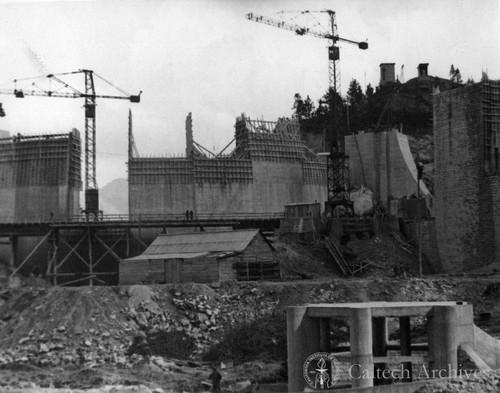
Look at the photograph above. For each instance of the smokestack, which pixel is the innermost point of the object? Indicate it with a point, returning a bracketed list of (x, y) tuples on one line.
[(422, 69), (387, 74)]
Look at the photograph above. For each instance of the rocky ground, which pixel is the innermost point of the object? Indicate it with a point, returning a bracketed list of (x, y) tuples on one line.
[(166, 337)]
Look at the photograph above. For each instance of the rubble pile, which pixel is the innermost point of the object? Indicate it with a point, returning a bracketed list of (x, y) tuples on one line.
[(485, 382), (41, 328)]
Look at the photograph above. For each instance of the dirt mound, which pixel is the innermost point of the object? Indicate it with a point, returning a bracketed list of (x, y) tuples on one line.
[(300, 260), (385, 254)]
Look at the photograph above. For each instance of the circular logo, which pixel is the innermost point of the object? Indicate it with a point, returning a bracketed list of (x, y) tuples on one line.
[(321, 370)]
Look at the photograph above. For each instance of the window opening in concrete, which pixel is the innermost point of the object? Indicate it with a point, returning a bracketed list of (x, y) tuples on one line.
[(339, 345), (406, 337)]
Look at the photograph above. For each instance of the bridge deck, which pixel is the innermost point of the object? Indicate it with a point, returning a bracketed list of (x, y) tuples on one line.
[(235, 220)]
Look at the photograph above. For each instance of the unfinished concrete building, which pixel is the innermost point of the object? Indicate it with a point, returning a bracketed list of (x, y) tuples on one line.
[(383, 162), (269, 167), (40, 177), (467, 175), (318, 360)]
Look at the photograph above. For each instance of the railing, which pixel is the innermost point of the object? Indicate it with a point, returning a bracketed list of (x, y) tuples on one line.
[(137, 218)]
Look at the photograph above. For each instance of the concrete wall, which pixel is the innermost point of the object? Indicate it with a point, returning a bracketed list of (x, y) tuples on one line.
[(467, 199), (272, 185), (383, 162), (40, 177)]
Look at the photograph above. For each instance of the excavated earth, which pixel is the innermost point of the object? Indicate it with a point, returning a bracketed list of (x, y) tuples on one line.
[(147, 338)]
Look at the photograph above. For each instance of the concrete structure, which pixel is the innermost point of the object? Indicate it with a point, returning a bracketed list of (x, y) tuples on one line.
[(467, 175), (423, 69), (450, 327), (40, 177), (387, 74), (203, 257), (383, 162), (303, 218), (269, 167)]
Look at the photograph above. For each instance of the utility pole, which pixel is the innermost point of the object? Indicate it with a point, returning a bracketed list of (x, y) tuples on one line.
[(420, 172)]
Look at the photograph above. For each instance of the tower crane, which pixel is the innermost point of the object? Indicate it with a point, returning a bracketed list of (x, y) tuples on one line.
[(62, 89), (337, 167)]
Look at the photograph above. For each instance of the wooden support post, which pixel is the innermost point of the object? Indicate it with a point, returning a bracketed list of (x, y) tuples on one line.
[(109, 250), (54, 249), (127, 242), (91, 261), (13, 251), (73, 250), (31, 253)]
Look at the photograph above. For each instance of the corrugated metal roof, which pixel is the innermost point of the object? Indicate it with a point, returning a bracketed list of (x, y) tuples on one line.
[(144, 257), (201, 242)]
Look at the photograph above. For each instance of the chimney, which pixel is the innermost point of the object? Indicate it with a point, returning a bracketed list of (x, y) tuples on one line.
[(387, 74), (422, 69)]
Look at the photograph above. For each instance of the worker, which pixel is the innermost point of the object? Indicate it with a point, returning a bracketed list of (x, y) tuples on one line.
[(191, 214), (187, 215), (216, 378)]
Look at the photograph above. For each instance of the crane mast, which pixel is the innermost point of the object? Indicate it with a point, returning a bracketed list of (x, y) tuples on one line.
[(90, 96), (338, 161)]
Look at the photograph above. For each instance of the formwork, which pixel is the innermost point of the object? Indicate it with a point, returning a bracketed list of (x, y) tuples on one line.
[(269, 167), (40, 176)]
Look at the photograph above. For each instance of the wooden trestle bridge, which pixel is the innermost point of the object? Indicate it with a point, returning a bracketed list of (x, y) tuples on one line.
[(81, 250)]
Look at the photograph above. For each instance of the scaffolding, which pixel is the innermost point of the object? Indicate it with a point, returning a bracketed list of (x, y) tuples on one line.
[(269, 141), (40, 160), (490, 96)]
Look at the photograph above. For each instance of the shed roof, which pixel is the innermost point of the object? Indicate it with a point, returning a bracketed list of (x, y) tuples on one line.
[(192, 245)]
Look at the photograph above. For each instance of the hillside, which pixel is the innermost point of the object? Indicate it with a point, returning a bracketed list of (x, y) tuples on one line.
[(113, 197)]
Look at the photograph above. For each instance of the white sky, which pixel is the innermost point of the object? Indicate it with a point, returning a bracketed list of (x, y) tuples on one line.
[(204, 57)]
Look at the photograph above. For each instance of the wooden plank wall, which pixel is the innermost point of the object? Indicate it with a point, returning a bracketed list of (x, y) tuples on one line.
[(134, 272), (201, 270), (226, 270)]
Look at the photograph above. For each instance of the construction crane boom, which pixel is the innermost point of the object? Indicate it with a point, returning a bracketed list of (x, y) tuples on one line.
[(90, 96), (301, 30), (337, 168), (21, 93)]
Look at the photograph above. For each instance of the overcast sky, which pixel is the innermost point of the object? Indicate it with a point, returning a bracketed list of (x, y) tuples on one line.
[(204, 57)]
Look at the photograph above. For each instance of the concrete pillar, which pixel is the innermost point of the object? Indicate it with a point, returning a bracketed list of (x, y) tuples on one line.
[(379, 330), (303, 339), (361, 370), (405, 341), (443, 343)]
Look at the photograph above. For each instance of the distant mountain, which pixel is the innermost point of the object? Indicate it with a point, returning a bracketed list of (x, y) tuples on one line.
[(113, 197)]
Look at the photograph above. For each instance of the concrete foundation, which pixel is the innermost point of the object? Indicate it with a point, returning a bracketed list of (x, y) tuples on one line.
[(370, 359)]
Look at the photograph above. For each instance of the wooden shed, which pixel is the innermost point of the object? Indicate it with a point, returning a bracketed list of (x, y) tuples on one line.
[(203, 257)]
